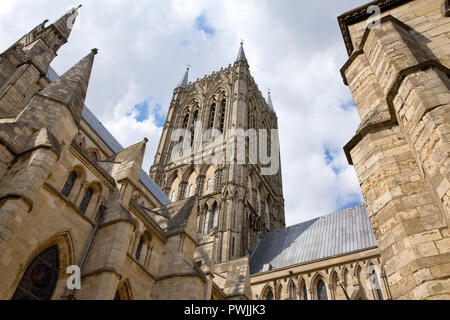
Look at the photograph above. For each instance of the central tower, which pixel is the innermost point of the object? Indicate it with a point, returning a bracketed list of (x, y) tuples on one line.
[(237, 200)]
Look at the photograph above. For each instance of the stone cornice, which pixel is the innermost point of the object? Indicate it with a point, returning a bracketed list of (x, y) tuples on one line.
[(360, 14)]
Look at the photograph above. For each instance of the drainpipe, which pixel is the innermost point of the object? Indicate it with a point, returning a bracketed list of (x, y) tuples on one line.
[(100, 218), (343, 289)]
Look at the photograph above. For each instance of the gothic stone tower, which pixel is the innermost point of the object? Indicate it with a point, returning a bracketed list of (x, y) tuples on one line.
[(398, 73), (237, 203)]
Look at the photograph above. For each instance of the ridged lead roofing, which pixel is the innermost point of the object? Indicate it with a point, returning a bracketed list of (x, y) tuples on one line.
[(336, 234)]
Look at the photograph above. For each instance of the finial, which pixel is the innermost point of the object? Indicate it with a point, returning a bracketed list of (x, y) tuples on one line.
[(94, 51), (242, 42), (145, 139), (45, 21), (79, 6), (188, 67)]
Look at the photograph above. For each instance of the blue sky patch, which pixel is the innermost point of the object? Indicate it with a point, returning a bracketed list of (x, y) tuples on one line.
[(202, 24), (348, 106), (354, 201), (143, 111), (329, 157)]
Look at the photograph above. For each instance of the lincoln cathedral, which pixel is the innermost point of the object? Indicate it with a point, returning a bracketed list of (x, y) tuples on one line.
[(80, 219)]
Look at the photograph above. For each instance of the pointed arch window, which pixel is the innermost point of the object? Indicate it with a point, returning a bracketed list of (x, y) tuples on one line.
[(305, 292), (139, 248), (212, 114), (86, 199), (206, 223), (191, 191), (193, 126), (222, 115), (214, 217), (376, 286), (321, 291), (39, 280), (185, 121), (292, 291), (208, 185), (69, 184), (269, 295), (172, 197)]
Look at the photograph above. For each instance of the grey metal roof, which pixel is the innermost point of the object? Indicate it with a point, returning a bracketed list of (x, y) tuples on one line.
[(241, 54), (336, 234), (115, 146), (184, 82)]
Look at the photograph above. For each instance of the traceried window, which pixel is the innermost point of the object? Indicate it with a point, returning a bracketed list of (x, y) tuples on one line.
[(222, 115), (69, 184), (212, 114), (185, 121), (214, 217), (39, 280), (86, 199), (206, 222), (193, 127), (321, 291)]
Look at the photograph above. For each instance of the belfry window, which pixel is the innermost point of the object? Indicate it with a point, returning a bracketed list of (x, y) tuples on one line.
[(86, 199), (39, 280), (321, 291), (212, 114), (69, 184), (222, 115)]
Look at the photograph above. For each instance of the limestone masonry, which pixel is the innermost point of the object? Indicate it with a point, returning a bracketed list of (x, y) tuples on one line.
[(71, 195)]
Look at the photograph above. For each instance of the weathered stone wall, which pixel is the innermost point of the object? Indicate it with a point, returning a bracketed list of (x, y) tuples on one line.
[(398, 75)]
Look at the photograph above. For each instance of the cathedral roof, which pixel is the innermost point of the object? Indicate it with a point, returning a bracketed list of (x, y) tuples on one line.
[(114, 145), (336, 234)]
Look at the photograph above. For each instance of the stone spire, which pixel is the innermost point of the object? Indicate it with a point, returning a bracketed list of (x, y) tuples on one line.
[(241, 54), (65, 24), (70, 89), (184, 82), (269, 102)]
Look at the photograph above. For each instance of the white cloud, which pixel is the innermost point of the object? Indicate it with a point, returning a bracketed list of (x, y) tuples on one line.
[(293, 47)]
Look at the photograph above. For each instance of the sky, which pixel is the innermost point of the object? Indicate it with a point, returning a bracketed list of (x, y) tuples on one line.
[(293, 47)]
